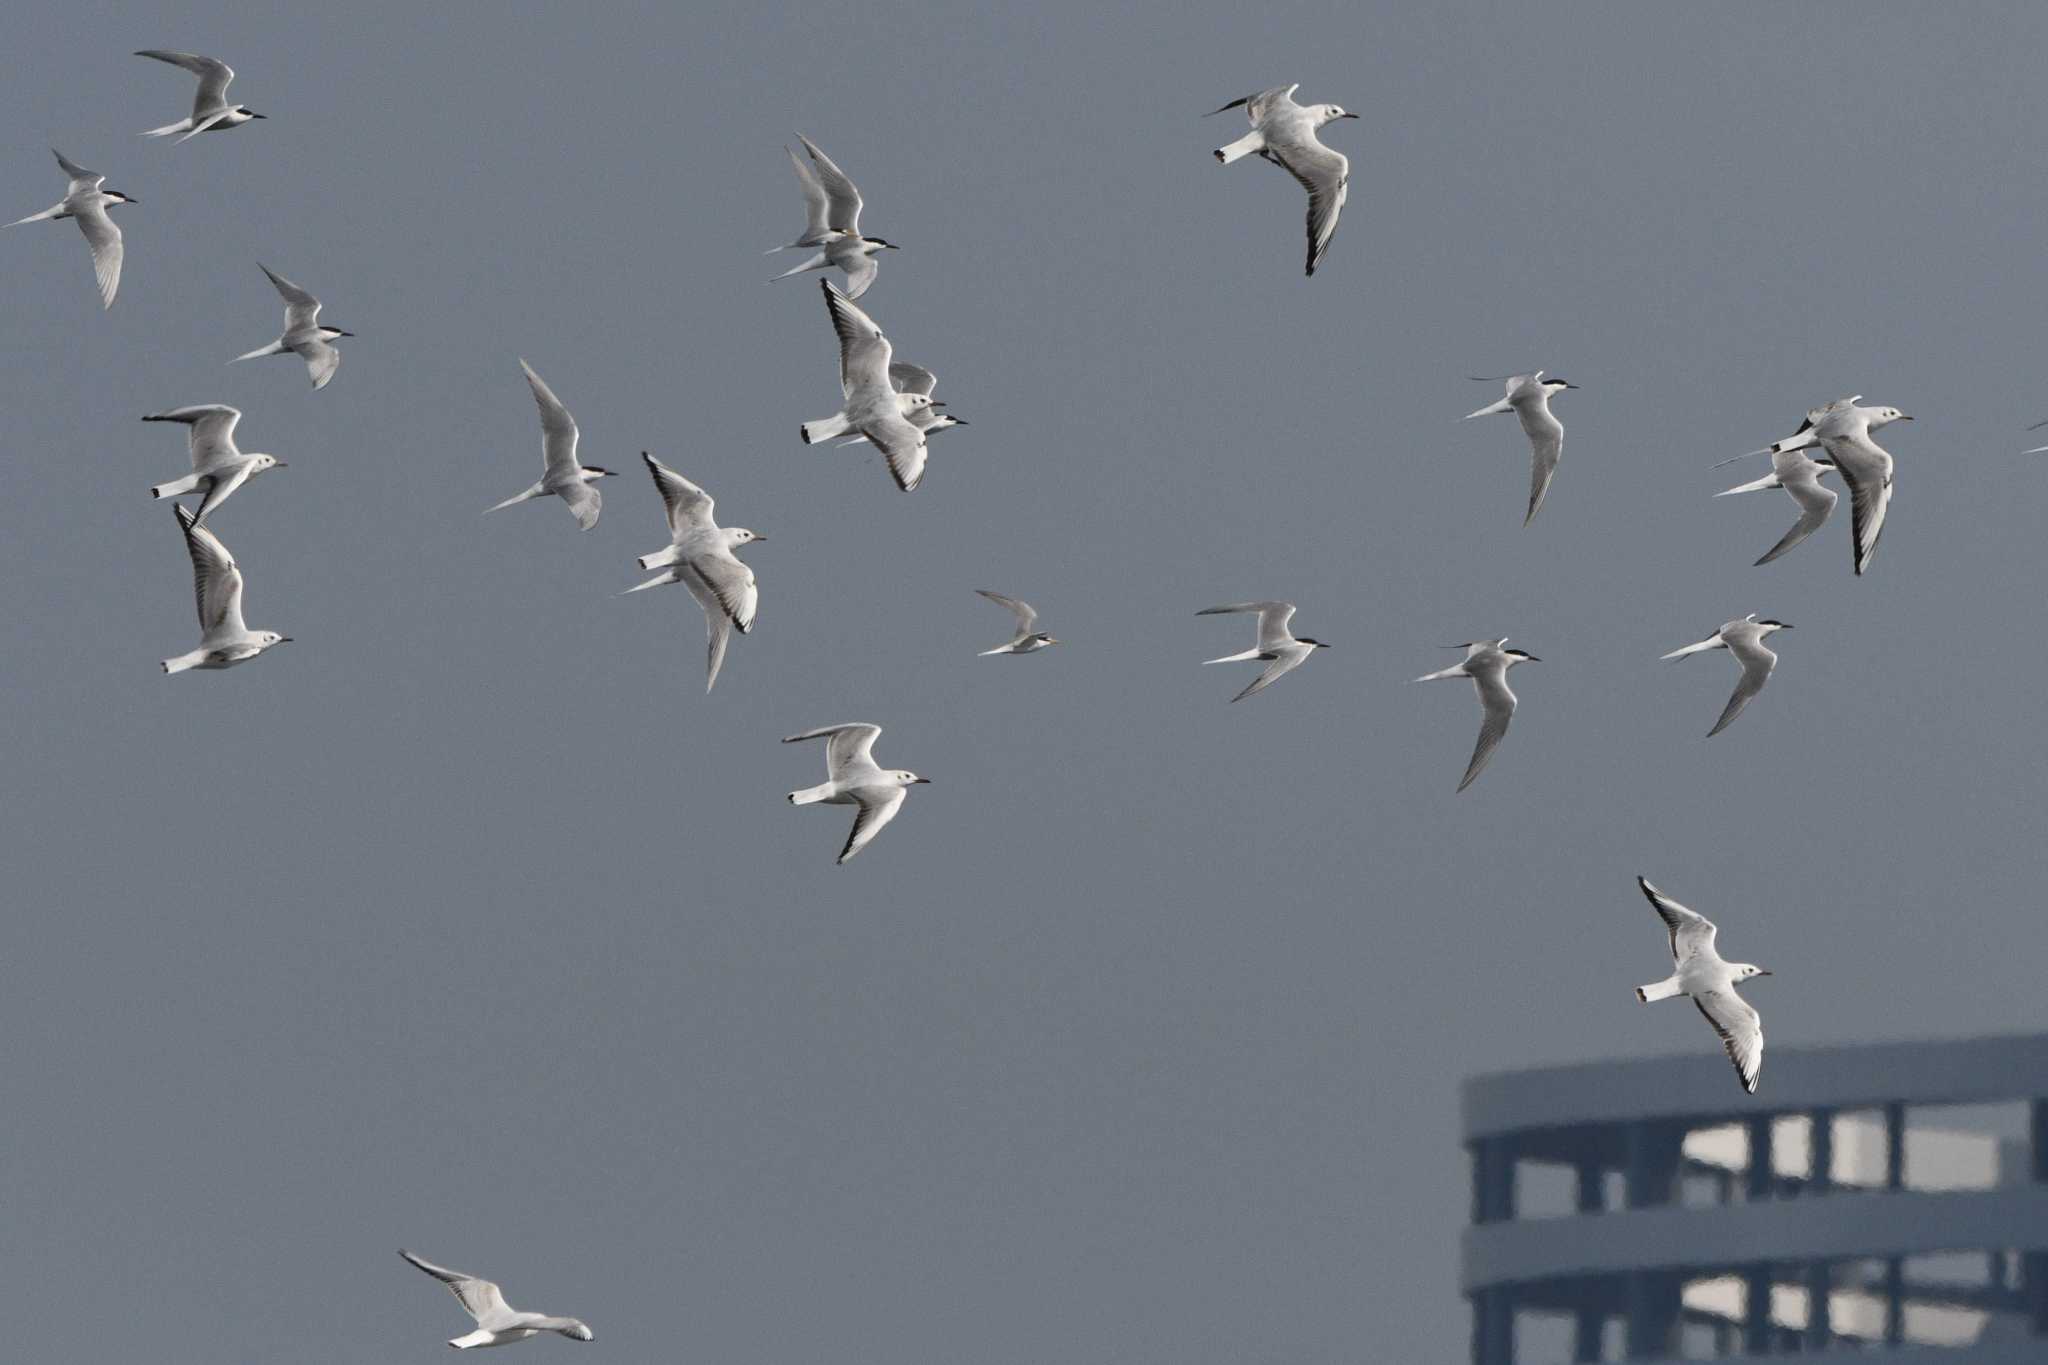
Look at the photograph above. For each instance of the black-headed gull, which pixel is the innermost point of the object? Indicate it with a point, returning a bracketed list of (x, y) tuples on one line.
[(854, 779), (1284, 133), (218, 468), (224, 640), (1699, 972), (497, 1322), (700, 557)]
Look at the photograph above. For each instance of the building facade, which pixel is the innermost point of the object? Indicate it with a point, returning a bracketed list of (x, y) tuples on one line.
[(1890, 1200)]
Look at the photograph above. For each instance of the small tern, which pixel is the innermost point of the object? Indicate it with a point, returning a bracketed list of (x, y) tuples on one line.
[(1027, 640), (1486, 663), (832, 224), (574, 483), (1745, 640), (1799, 475), (1277, 648), (1698, 971), (1528, 397), (211, 111), (304, 334), (87, 200)]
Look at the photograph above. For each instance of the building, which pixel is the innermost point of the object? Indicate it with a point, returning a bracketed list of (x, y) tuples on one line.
[(1890, 1200)]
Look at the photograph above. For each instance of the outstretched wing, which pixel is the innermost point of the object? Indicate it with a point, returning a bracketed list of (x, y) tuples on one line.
[(480, 1298), (817, 205), (1276, 665), (1497, 708), (1740, 1029), (909, 378), (1690, 931), (557, 433), (877, 808), (864, 353), (1326, 175), (1757, 662), (216, 580), (1546, 445), (689, 507), (844, 212), (1027, 615), (104, 237), (717, 624), (846, 745), (1815, 504), (301, 309), (213, 75)]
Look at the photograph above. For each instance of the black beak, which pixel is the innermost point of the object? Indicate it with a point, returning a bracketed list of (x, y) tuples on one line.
[(285, 640), (346, 334), (254, 114), (1345, 116), (1761, 972), (127, 198), (1531, 659), (759, 538), (960, 422), (922, 782)]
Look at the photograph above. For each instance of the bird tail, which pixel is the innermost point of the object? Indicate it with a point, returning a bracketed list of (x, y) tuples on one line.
[(1755, 486), (1660, 990), (660, 558), (825, 429), (1254, 141), (38, 217), (176, 487), (183, 662), (1711, 642), (1489, 410), (180, 126), (1454, 671), (274, 348), (810, 795), (816, 262), (1245, 657)]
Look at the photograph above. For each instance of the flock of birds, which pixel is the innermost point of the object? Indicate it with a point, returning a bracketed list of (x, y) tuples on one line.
[(888, 404)]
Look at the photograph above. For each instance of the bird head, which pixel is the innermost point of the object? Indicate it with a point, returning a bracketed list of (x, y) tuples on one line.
[(905, 778)]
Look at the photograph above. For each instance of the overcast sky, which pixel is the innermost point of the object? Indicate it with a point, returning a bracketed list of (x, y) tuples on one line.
[(468, 923)]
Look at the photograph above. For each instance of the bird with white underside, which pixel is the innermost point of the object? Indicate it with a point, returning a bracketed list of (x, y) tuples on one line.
[(1284, 133), (853, 778), (563, 476), (218, 467), (1699, 971), (304, 334), (700, 557), (1745, 640), (497, 1323), (86, 200), (1486, 663), (1528, 397)]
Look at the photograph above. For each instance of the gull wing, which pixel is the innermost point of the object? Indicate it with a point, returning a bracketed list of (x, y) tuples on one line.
[(1740, 1029), (557, 435), (104, 237), (216, 580), (1326, 175), (845, 199), (213, 75), (717, 625), (301, 309), (1867, 469), (849, 745), (1027, 616), (689, 507), (212, 430), (482, 1300), (1690, 931), (1255, 106), (909, 378), (730, 585), (1546, 445), (877, 808), (864, 353), (902, 444), (219, 490), (1497, 708)]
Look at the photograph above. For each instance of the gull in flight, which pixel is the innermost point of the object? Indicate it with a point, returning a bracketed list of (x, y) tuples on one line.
[(832, 224), (875, 406), (1284, 133), (700, 557), (303, 332), (1277, 648), (86, 200), (1027, 640), (497, 1322), (1528, 397), (1699, 972), (904, 377), (1487, 665), (853, 779), (1799, 475), (224, 640), (218, 468), (1842, 428), (211, 111), (1745, 640), (575, 484)]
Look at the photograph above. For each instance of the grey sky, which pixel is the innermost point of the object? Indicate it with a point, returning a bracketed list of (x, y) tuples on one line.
[(466, 922)]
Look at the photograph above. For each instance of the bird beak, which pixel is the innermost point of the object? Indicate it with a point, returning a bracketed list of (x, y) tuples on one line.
[(1531, 659), (347, 334), (1345, 116), (922, 782), (961, 422), (286, 640), (1903, 417), (1762, 972), (283, 464), (759, 539), (254, 114)]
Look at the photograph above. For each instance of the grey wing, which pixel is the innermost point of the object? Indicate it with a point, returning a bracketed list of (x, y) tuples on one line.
[(864, 353), (817, 206), (557, 434), (482, 1299), (1740, 1029), (1258, 106), (1278, 664), (845, 745), (1689, 930), (104, 237), (1870, 498), (85, 180), (218, 490), (1757, 662), (876, 809), (1027, 616), (688, 506), (213, 75), (1326, 175), (585, 502), (1497, 708), (860, 274), (845, 210), (216, 580), (909, 378), (212, 433), (1273, 619), (301, 310), (717, 625), (1815, 504), (321, 360), (1546, 445), (730, 584), (902, 445)]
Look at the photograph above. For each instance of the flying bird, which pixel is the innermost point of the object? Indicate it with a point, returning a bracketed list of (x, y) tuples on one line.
[(1745, 640), (218, 468), (1799, 475), (1284, 133), (303, 333), (1277, 648), (1486, 663), (875, 406), (1027, 640), (87, 200), (575, 484), (700, 557), (1842, 428), (224, 640), (1528, 397), (832, 224), (1699, 972), (211, 111), (853, 779), (497, 1323), (2036, 427), (915, 380)]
